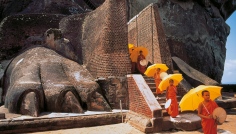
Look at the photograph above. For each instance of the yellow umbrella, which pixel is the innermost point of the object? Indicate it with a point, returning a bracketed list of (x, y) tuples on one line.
[(165, 81), (152, 69), (193, 98), (131, 48), (130, 45), (134, 55)]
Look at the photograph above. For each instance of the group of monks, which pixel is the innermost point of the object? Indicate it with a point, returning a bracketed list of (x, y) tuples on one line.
[(171, 93), (205, 109), (136, 65)]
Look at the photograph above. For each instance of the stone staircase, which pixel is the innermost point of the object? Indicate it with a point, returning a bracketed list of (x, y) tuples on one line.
[(168, 123), (161, 98)]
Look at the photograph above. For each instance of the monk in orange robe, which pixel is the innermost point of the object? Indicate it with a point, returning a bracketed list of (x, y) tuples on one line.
[(205, 110), (171, 92), (141, 68), (157, 79)]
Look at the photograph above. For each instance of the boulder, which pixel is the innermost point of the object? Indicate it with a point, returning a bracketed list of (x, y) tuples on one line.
[(194, 77)]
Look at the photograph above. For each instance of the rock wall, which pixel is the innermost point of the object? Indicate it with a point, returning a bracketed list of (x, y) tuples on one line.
[(196, 31), (196, 35), (17, 32), (68, 7)]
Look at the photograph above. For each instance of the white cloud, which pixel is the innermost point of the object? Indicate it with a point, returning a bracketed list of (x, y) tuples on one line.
[(229, 72)]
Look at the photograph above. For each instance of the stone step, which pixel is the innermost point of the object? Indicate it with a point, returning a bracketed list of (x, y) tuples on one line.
[(184, 121), (149, 80), (151, 84)]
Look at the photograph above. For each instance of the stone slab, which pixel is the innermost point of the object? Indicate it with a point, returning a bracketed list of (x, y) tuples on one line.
[(184, 121), (53, 121)]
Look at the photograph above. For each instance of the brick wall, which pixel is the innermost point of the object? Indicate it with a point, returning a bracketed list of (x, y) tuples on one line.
[(105, 42), (137, 102), (141, 99), (146, 30)]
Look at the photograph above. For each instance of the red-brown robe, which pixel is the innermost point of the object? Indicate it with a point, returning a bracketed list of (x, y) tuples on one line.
[(208, 125), (157, 79), (173, 109), (141, 68), (133, 66)]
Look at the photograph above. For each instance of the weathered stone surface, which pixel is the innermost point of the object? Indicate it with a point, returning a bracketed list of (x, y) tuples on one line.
[(58, 85), (116, 91), (19, 32), (196, 35), (57, 82), (184, 121), (9, 7), (194, 77), (196, 31), (46, 124), (55, 41), (226, 102), (139, 121)]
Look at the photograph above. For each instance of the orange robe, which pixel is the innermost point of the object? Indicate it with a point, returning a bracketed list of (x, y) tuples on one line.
[(173, 109), (157, 79), (141, 68), (208, 125)]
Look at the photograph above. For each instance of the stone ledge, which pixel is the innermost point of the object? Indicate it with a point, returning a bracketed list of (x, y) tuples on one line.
[(44, 124), (226, 102), (139, 122)]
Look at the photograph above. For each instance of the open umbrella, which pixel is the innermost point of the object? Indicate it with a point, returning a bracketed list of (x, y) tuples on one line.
[(193, 98), (152, 69), (134, 55), (165, 81), (131, 48)]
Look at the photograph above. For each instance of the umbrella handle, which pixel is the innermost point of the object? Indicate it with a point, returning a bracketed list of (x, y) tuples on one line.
[(206, 108), (204, 105)]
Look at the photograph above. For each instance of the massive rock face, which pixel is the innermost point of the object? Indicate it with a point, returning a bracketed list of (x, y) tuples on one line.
[(196, 35), (9, 7), (196, 31)]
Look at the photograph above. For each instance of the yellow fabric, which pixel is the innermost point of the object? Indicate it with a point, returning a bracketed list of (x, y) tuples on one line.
[(152, 69), (165, 82), (191, 100), (134, 55)]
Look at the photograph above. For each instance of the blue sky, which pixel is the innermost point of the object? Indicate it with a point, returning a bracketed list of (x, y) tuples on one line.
[(229, 76)]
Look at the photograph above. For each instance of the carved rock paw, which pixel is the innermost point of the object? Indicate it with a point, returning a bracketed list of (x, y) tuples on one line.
[(41, 80)]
